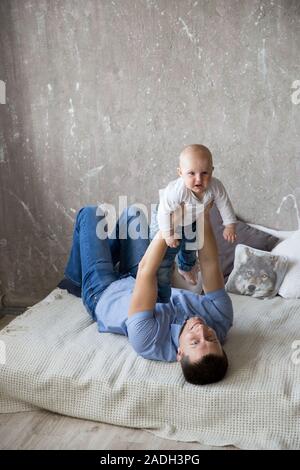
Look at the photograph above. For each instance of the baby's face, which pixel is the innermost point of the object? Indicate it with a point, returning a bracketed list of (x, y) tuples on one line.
[(196, 171)]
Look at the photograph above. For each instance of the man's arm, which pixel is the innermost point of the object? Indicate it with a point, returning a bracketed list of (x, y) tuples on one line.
[(145, 290), (212, 277)]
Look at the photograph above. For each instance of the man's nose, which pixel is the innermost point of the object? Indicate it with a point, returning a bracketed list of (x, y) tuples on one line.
[(200, 331)]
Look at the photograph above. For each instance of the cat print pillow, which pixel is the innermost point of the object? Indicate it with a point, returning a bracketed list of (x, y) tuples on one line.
[(256, 273)]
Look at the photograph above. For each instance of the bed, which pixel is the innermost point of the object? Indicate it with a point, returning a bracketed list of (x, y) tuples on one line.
[(52, 357), (57, 360)]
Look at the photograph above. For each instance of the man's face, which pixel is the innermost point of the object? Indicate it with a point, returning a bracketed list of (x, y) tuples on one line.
[(197, 340), (196, 171)]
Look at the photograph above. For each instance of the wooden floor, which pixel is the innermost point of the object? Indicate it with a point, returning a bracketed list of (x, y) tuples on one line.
[(47, 430)]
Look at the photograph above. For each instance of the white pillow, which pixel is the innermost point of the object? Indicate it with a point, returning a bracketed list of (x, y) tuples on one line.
[(290, 287)]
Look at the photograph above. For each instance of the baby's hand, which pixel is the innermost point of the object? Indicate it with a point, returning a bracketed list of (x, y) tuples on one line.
[(171, 241), (229, 233)]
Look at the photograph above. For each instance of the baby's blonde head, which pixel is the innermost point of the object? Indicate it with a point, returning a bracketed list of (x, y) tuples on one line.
[(195, 152), (196, 168)]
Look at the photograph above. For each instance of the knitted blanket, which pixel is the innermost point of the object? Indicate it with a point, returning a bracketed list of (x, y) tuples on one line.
[(57, 360)]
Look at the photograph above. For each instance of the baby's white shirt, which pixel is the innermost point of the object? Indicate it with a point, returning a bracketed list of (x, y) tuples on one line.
[(177, 193)]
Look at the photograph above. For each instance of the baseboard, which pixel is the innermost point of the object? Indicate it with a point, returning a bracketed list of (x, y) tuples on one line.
[(12, 310)]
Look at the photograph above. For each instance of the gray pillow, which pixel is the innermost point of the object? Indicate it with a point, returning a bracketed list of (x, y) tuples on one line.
[(246, 235), (256, 273)]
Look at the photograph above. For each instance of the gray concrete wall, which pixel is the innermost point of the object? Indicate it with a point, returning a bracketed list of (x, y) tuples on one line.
[(101, 96)]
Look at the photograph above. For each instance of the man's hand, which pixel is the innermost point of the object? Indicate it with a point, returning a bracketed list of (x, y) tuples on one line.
[(171, 238)]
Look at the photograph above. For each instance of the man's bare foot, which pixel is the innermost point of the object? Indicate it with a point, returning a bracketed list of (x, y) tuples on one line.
[(190, 276)]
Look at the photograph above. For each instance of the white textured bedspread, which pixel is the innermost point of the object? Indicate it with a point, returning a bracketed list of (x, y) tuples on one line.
[(57, 360)]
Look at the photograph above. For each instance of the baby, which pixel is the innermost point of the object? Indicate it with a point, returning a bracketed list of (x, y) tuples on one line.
[(195, 187)]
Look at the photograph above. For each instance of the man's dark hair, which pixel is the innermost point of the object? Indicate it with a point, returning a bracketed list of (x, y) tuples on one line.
[(211, 368)]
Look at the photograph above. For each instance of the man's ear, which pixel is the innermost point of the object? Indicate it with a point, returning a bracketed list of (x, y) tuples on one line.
[(179, 172), (179, 355)]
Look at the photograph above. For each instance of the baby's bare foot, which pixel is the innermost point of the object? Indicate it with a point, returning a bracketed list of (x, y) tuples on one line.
[(190, 276)]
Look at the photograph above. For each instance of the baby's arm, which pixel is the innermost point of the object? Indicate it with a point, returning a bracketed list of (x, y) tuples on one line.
[(224, 205)]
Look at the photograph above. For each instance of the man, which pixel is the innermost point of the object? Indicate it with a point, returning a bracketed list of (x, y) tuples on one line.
[(189, 329)]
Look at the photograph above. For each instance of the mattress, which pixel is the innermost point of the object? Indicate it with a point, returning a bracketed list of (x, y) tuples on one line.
[(57, 360)]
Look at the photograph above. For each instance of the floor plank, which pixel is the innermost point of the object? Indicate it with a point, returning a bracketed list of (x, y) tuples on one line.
[(38, 430)]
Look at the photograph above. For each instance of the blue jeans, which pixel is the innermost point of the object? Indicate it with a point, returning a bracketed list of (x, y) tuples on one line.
[(185, 258), (92, 261)]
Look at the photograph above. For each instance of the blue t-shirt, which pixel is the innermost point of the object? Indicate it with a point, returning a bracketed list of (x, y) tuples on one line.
[(154, 333)]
